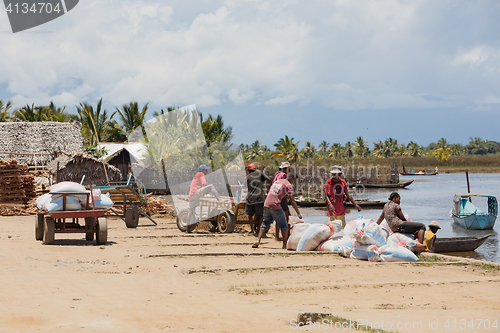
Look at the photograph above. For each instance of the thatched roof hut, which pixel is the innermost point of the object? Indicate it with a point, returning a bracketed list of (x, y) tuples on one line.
[(36, 143), (73, 166)]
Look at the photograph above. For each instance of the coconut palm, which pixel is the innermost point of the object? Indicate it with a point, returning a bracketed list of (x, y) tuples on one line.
[(4, 110), (309, 151), (31, 113), (413, 149), (287, 149), (215, 132), (323, 148), (335, 151), (360, 147), (95, 123), (131, 117), (347, 151), (56, 114)]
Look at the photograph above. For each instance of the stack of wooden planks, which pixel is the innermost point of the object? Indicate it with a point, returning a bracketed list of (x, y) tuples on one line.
[(17, 186)]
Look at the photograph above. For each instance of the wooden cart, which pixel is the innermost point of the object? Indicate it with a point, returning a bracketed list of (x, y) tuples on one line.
[(49, 223), (221, 215), (130, 195)]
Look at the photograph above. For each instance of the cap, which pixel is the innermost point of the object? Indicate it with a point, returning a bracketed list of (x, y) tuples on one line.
[(336, 169), (434, 224), (284, 165), (203, 167), (251, 167)]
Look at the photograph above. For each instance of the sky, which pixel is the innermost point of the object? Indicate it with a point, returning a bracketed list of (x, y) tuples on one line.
[(315, 70)]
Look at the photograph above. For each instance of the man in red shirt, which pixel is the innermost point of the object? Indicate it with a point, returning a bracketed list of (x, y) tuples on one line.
[(198, 189), (273, 210), (335, 188)]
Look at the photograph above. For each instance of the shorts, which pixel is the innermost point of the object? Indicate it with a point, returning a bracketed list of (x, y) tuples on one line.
[(338, 217), (284, 204), (410, 227), (194, 201), (255, 209), (277, 215)]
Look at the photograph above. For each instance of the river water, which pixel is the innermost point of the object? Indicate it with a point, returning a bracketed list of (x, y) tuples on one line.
[(430, 198)]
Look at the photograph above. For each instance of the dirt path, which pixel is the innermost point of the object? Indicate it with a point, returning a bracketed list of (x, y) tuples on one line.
[(157, 279)]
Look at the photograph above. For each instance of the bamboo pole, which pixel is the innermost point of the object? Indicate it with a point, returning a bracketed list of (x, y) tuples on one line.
[(468, 185)]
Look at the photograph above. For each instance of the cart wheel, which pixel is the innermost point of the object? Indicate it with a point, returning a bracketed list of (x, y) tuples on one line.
[(90, 224), (132, 217), (227, 222), (212, 224), (101, 235), (48, 231), (182, 220), (39, 227)]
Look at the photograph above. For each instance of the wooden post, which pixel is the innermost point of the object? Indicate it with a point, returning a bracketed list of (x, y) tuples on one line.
[(468, 185)]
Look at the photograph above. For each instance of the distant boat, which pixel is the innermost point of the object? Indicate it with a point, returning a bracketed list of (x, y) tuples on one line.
[(459, 244), (418, 174), (469, 216), (310, 203), (399, 185)]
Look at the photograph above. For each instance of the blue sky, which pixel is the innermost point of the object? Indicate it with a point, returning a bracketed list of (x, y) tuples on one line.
[(312, 70)]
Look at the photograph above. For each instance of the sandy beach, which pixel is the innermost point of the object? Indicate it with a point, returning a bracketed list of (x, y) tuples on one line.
[(157, 279)]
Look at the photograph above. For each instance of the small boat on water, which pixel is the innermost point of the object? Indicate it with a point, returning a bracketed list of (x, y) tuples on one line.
[(418, 174), (366, 204), (310, 203), (467, 215), (459, 244), (399, 185)]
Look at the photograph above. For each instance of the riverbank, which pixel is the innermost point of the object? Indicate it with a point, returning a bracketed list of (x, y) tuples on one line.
[(157, 279)]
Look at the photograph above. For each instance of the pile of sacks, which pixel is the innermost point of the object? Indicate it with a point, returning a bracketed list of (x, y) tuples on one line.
[(360, 239), (53, 202)]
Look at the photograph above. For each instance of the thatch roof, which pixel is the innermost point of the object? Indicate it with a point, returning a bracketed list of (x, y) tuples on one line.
[(73, 166), (35, 143)]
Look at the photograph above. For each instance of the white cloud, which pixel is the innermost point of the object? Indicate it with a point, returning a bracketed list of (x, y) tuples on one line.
[(237, 98)]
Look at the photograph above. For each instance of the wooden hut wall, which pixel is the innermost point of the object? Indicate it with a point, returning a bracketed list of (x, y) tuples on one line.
[(121, 161)]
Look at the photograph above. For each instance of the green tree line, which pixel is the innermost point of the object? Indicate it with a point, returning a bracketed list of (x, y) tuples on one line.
[(288, 149)]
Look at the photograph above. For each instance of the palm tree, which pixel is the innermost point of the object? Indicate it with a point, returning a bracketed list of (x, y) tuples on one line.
[(31, 113), (214, 131), (348, 150), (287, 149), (309, 151), (323, 148), (56, 114), (95, 123), (4, 111), (442, 143), (413, 149), (360, 147), (335, 151), (132, 118)]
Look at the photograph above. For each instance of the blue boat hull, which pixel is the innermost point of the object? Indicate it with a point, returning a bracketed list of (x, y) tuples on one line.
[(476, 222)]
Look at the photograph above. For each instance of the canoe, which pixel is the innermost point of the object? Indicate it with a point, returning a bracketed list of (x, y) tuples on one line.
[(366, 204), (467, 215), (302, 203), (399, 185), (459, 244), (418, 174)]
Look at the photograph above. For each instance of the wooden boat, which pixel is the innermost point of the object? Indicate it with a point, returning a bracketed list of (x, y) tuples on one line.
[(469, 216), (310, 203), (366, 204), (459, 244), (399, 185), (418, 174)]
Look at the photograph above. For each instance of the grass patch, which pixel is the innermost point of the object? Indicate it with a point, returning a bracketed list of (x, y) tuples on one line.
[(428, 259), (490, 267)]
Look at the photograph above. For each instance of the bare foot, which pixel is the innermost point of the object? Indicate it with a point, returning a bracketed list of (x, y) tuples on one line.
[(255, 245), (278, 239)]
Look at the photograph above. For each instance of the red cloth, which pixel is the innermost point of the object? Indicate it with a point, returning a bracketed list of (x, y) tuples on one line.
[(278, 191), (336, 190), (197, 182)]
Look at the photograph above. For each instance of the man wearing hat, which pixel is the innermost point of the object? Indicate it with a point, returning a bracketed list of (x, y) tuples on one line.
[(198, 189), (430, 235), (335, 188), (255, 198)]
